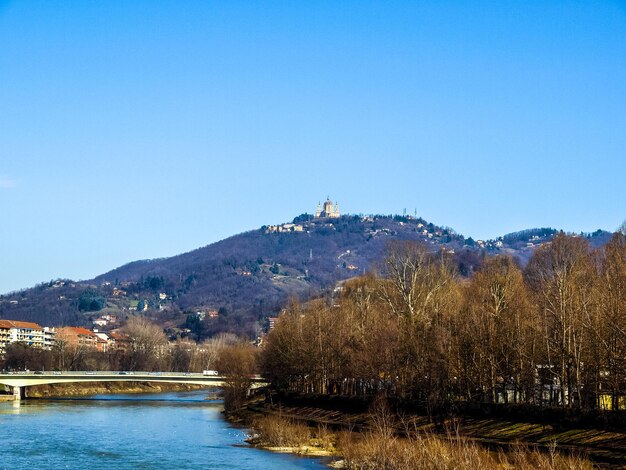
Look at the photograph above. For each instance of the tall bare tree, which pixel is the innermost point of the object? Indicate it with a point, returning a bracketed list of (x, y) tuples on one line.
[(611, 324), (561, 275), (237, 363), (419, 289), (147, 344), (498, 321)]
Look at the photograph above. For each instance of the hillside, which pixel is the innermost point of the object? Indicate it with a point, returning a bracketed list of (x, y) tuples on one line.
[(236, 283)]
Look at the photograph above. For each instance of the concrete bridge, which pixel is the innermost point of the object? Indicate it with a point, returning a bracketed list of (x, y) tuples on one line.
[(19, 380)]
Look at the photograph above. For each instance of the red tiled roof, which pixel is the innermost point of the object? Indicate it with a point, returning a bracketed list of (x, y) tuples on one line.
[(118, 336), (19, 324), (76, 330), (82, 331)]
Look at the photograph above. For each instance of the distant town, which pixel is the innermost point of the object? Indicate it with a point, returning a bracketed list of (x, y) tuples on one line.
[(45, 338)]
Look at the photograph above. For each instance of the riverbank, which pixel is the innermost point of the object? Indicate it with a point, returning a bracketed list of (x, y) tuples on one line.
[(291, 439), (98, 388), (336, 432)]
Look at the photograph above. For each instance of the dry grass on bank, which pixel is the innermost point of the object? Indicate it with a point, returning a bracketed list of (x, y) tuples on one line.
[(428, 451), (279, 433), (275, 431), (382, 450)]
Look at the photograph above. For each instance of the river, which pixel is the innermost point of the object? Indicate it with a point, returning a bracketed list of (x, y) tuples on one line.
[(167, 430)]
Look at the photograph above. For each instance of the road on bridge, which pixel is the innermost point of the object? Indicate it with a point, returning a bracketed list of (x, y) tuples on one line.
[(21, 379)]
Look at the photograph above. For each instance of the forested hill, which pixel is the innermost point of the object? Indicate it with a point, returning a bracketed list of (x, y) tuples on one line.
[(234, 284)]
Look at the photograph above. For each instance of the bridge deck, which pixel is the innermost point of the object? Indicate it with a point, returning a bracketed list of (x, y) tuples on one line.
[(25, 379)]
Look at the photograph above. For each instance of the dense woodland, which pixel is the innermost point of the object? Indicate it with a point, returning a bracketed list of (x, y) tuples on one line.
[(550, 334)]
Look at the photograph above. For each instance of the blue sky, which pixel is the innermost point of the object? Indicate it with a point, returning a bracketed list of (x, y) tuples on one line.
[(143, 129)]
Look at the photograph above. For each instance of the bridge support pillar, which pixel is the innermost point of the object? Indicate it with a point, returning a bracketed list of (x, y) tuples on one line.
[(18, 393)]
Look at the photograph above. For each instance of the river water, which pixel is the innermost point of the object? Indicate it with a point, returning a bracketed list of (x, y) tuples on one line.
[(165, 431)]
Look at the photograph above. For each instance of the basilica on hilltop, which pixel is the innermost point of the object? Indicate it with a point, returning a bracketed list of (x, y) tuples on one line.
[(328, 210)]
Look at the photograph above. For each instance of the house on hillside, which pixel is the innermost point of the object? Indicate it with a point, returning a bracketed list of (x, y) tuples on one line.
[(284, 228), (272, 322), (104, 320)]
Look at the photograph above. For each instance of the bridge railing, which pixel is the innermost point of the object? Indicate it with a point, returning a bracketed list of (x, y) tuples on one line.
[(101, 372), (110, 373)]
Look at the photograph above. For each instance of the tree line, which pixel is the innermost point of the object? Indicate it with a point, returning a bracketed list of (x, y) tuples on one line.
[(550, 334), (146, 349)]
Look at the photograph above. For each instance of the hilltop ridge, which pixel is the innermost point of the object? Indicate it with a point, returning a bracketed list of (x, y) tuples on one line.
[(236, 283)]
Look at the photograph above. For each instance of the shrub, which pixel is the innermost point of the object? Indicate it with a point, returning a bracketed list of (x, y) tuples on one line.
[(276, 431)]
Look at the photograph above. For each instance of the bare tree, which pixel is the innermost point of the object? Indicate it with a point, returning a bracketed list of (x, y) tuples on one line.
[(497, 329), (69, 354), (419, 289), (208, 352), (238, 364), (561, 275), (182, 355), (147, 344), (611, 324)]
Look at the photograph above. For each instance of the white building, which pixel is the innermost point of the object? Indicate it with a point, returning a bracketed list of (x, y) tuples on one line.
[(31, 334), (329, 210)]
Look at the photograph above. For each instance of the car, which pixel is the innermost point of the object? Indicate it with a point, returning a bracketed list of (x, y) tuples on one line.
[(210, 372), (123, 373), (39, 372), (90, 373), (56, 372)]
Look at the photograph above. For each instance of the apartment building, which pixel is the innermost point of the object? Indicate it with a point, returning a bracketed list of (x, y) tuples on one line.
[(30, 334)]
